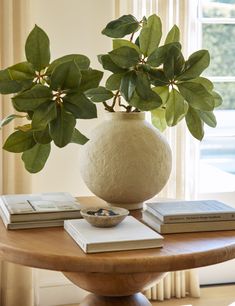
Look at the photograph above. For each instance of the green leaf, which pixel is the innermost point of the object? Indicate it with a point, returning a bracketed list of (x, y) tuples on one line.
[(204, 82), (113, 82), (37, 48), (43, 115), (145, 105), (120, 27), (82, 62), (42, 137), (90, 79), (176, 108), (80, 106), (22, 71), (66, 76), (128, 84), (173, 62), (163, 92), (32, 98), (125, 57), (196, 95), (217, 98), (78, 137), (108, 64), (208, 118), (118, 43), (158, 78), (173, 35), (195, 65), (150, 35), (158, 119), (194, 123), (7, 85), (35, 158), (99, 94), (8, 119), (61, 128), (158, 56), (19, 141)]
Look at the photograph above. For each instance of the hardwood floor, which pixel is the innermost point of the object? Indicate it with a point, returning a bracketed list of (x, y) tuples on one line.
[(210, 296)]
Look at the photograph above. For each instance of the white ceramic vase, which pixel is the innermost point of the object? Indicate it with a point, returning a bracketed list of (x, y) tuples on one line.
[(126, 161)]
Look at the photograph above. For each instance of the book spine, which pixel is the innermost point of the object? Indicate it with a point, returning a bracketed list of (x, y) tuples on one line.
[(193, 217), (75, 236)]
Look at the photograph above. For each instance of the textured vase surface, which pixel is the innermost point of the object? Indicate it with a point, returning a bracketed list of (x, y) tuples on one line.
[(126, 161)]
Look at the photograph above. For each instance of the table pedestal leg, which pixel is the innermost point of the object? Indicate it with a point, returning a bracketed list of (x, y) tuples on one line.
[(114, 289), (137, 299)]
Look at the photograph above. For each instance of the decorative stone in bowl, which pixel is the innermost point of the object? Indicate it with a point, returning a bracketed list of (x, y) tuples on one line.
[(104, 216)]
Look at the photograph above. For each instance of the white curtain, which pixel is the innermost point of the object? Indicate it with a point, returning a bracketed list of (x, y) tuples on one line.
[(15, 281), (182, 183)]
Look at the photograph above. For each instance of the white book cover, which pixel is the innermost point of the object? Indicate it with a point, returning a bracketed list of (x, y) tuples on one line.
[(129, 234), (41, 206), (191, 211)]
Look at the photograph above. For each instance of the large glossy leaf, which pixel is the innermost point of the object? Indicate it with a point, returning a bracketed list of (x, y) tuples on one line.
[(195, 65), (37, 48), (82, 62), (9, 118), (150, 35), (158, 56), (113, 82), (42, 137), (99, 94), (80, 106), (108, 64), (158, 78), (173, 35), (125, 57), (66, 76), (118, 43), (145, 105), (176, 108), (128, 84), (120, 27), (78, 137), (163, 92), (158, 119), (196, 95), (90, 79), (208, 118), (194, 123), (22, 71), (173, 62), (204, 82), (43, 115), (61, 128), (217, 98), (19, 141), (32, 98), (7, 85), (35, 158)]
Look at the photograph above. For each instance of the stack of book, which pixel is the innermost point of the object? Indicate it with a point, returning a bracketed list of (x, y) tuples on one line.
[(130, 234), (38, 210), (189, 216)]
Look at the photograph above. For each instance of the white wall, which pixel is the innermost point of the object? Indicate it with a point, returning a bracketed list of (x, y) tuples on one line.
[(73, 26)]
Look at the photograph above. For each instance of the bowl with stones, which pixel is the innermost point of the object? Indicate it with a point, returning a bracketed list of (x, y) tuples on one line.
[(104, 216)]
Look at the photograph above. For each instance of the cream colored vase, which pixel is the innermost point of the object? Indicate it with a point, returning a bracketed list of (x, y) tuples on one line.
[(126, 161)]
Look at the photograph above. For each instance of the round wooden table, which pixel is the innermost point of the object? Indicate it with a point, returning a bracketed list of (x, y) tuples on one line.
[(114, 278)]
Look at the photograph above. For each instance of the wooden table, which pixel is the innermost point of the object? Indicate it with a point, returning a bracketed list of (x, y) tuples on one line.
[(114, 278)]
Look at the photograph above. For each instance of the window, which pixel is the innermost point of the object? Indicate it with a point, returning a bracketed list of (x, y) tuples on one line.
[(217, 152)]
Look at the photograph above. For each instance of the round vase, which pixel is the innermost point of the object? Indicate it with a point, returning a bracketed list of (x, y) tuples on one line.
[(126, 161)]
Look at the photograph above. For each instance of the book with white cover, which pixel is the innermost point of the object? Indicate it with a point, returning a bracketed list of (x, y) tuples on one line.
[(130, 234), (37, 207), (191, 211), (170, 228)]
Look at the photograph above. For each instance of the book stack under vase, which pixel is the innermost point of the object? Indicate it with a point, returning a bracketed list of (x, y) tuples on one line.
[(189, 216), (19, 211)]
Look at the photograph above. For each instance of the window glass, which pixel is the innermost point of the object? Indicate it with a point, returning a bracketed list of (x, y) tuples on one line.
[(227, 91), (218, 8)]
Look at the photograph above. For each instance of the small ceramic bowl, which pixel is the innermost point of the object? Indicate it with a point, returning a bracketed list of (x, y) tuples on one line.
[(104, 216)]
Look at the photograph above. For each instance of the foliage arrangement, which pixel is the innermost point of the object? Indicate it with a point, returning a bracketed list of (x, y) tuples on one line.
[(146, 76)]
